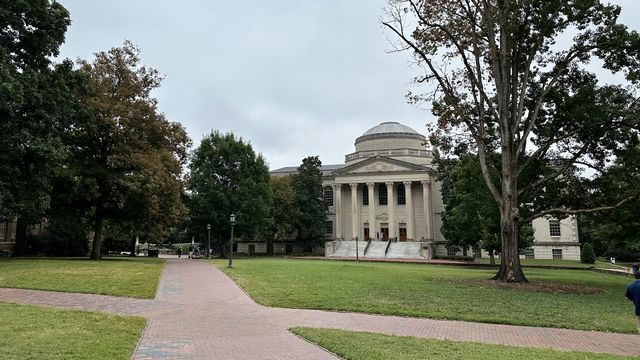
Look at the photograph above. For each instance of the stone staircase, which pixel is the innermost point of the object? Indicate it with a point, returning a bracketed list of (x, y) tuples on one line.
[(348, 249), (397, 250), (404, 250), (376, 249)]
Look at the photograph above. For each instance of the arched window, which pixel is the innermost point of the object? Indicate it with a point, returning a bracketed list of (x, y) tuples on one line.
[(328, 195), (402, 198), (382, 195), (365, 195)]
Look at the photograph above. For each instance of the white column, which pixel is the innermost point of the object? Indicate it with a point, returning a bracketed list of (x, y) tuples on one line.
[(391, 203), (373, 227), (428, 216), (409, 209), (337, 189), (354, 210)]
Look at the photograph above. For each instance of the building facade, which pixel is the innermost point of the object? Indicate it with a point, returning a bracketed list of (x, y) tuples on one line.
[(386, 190)]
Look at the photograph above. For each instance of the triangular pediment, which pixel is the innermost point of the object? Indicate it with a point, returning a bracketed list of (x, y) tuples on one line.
[(380, 164)]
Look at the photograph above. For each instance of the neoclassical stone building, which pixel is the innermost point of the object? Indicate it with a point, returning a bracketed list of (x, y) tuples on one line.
[(386, 189)]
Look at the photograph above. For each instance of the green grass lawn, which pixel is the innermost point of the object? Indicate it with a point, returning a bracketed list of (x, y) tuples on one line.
[(136, 277), (30, 332), (366, 346), (440, 292), (560, 263)]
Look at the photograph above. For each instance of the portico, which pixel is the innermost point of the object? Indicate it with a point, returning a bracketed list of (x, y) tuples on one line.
[(402, 207)]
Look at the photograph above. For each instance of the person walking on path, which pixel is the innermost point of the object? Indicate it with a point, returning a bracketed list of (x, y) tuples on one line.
[(633, 294), (179, 252)]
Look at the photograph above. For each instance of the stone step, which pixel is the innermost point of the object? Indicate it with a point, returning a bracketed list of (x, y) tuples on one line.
[(376, 249)]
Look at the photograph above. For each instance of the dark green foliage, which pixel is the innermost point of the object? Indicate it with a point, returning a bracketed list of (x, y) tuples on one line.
[(128, 156), (36, 104), (227, 176), (471, 217), (310, 202), (587, 255)]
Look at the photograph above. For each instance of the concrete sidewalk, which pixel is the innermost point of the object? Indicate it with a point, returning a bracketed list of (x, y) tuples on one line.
[(200, 313)]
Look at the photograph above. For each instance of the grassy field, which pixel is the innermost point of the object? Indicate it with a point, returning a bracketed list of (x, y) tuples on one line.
[(137, 277), (366, 346), (560, 263), (29, 332), (441, 292)]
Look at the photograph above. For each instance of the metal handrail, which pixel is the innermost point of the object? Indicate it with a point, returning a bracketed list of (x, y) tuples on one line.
[(366, 248)]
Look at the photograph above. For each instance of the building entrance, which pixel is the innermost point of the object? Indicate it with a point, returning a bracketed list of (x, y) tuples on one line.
[(366, 234), (384, 233), (403, 234)]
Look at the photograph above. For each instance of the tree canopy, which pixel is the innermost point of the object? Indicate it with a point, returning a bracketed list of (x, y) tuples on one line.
[(125, 151), (35, 104), (227, 176), (502, 78), (312, 209)]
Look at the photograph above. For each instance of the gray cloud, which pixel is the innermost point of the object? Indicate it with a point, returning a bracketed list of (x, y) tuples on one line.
[(295, 78)]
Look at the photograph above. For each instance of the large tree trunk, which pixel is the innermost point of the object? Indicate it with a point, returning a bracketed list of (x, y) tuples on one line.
[(492, 257), (20, 247), (96, 250), (510, 269)]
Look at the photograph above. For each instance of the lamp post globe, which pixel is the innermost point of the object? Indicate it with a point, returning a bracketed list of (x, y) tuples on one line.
[(232, 221)]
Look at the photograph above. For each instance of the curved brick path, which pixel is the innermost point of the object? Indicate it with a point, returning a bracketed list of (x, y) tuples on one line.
[(199, 313)]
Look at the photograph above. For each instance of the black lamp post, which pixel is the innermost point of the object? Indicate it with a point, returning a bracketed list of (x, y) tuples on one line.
[(232, 220), (209, 241)]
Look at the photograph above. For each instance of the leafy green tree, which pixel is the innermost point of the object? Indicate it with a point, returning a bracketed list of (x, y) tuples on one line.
[(502, 80), (616, 233), (284, 210), (34, 104), (312, 209), (587, 255), (126, 152), (471, 218), (226, 176)]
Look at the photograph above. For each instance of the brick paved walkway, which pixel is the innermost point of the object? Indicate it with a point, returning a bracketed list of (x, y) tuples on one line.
[(199, 313)]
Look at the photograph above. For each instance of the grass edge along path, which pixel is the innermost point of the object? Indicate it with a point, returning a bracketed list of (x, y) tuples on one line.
[(136, 277), (436, 292), (351, 345), (33, 332)]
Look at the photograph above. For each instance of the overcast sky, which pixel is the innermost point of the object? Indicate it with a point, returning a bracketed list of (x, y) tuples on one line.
[(294, 78)]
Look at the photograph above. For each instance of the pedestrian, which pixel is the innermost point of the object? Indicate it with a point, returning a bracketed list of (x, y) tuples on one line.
[(633, 294), (179, 252), (190, 251)]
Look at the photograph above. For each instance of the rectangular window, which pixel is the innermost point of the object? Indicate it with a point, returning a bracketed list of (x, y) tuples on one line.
[(528, 254), (382, 195), (554, 228), (557, 254), (328, 195), (365, 195), (452, 251), (402, 198), (328, 227), (477, 253), (3, 230)]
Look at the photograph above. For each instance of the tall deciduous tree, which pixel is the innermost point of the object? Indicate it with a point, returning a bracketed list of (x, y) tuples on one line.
[(505, 78), (124, 145), (284, 210), (310, 202), (34, 99), (227, 176)]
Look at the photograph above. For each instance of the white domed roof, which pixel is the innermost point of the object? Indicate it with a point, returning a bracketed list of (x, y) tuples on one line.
[(390, 128)]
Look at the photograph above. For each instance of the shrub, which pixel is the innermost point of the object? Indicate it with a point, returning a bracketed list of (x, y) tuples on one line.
[(587, 255)]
